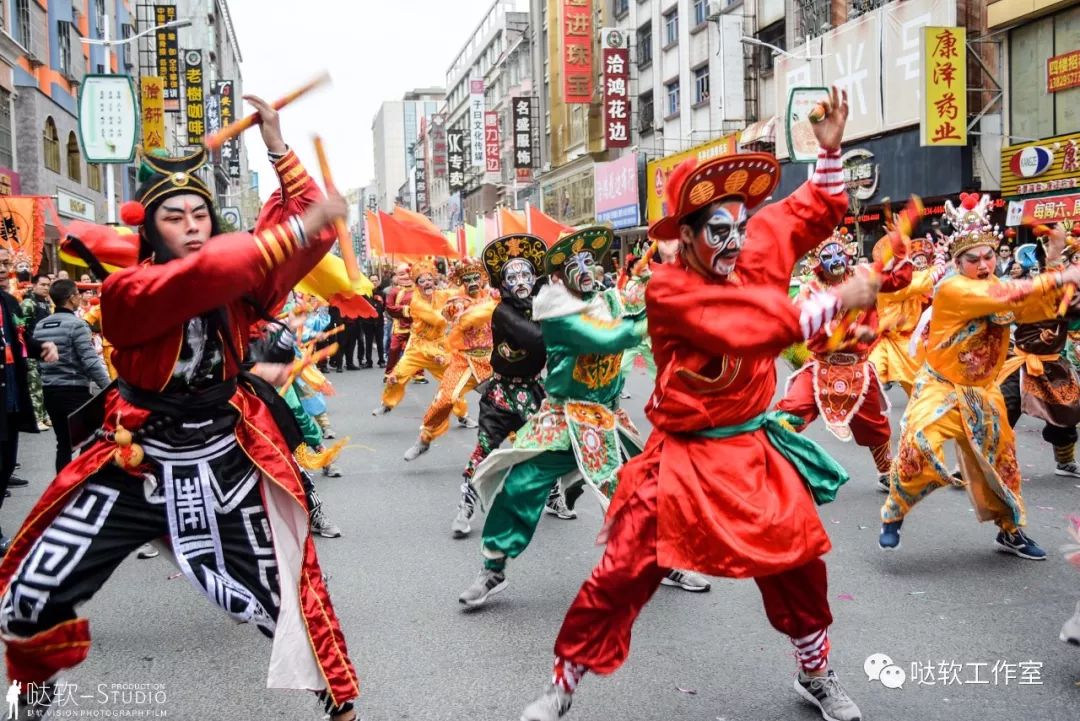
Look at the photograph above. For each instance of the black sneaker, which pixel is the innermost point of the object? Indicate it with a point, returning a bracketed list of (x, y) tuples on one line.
[(16, 482), (1018, 544)]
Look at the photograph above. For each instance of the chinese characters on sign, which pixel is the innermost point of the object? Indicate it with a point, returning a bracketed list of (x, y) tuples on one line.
[(193, 95), (616, 192), (108, 118), (522, 117), (616, 64), (1052, 210), (492, 142), (476, 123), (230, 151), (438, 145), (944, 111), (577, 44), (1063, 72), (1041, 166), (168, 55), (420, 179), (455, 160), (152, 104)]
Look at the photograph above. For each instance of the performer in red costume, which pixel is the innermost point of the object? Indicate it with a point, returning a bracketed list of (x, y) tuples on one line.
[(721, 487), (186, 447), (842, 385)]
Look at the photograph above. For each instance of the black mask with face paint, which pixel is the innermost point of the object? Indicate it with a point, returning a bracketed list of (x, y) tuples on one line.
[(579, 274)]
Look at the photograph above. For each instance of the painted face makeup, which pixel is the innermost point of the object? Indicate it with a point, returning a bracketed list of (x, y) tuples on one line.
[(978, 262), (426, 283), (519, 278), (833, 259), (184, 224), (920, 261), (472, 284), (718, 244), (579, 272)]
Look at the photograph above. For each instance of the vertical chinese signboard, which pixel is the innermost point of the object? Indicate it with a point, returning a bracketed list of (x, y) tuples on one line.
[(523, 145), (438, 145), (476, 123), (455, 160), (168, 55), (577, 43), (420, 181), (492, 142), (230, 151), (944, 113), (616, 65), (152, 111), (193, 96)]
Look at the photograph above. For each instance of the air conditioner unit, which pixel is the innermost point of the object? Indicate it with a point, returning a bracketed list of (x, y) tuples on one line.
[(716, 9)]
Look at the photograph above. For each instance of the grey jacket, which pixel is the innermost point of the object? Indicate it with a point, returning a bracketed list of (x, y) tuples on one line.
[(79, 363)]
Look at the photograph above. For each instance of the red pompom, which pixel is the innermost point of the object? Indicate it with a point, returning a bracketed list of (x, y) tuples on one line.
[(969, 200), (1010, 233), (132, 213)]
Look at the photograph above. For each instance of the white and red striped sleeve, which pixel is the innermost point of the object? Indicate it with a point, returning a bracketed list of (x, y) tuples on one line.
[(828, 173)]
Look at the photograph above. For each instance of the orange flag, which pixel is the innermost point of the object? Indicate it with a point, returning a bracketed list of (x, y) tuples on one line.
[(422, 226), (374, 234), (400, 238), (23, 221), (511, 222), (544, 226)]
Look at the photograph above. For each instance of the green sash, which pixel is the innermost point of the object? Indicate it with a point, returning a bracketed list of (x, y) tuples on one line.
[(820, 470)]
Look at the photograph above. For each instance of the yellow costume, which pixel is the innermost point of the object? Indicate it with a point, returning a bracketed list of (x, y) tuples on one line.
[(956, 397), (469, 343), (427, 349), (899, 314)]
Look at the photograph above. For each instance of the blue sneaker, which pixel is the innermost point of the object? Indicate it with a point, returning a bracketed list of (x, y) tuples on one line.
[(889, 540), (1018, 544)]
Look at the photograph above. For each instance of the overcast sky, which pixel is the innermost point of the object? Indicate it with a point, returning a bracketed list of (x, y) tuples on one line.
[(375, 51)]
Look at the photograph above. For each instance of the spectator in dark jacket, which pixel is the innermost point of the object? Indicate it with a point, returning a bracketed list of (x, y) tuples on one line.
[(67, 381), (16, 410)]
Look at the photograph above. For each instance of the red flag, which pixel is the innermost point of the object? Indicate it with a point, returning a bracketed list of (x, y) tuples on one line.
[(545, 227), (406, 239), (461, 246), (422, 226), (374, 234)]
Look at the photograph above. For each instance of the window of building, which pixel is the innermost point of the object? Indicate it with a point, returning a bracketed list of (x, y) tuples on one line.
[(774, 35), (51, 146), (63, 37), (93, 176), (620, 7), (671, 106), (701, 12), (74, 158), (646, 112), (22, 18), (701, 84), (1034, 112), (644, 45), (671, 27), (7, 152)]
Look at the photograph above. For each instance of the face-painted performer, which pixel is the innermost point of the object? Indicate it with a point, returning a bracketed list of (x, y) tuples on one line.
[(180, 431)]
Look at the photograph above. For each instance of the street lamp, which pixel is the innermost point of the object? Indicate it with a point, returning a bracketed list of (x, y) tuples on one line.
[(108, 43)]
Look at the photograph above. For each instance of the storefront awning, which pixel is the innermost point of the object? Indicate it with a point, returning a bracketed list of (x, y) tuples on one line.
[(759, 132)]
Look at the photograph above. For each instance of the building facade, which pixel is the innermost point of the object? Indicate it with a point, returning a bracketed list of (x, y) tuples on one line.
[(394, 131)]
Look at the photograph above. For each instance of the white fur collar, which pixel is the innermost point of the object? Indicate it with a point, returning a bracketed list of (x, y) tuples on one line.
[(555, 301)]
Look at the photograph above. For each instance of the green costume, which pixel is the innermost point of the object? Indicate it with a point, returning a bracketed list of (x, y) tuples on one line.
[(579, 432), (29, 312)]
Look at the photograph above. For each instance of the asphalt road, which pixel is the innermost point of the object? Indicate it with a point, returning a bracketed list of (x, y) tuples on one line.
[(945, 598)]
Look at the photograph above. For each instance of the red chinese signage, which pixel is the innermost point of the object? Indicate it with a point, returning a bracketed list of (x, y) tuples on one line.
[(1063, 72), (577, 45), (1052, 210), (492, 142), (617, 96)]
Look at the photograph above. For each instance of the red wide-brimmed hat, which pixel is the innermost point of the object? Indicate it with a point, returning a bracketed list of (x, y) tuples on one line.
[(749, 177)]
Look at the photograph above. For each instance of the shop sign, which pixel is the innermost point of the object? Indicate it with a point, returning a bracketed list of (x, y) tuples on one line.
[(944, 109), (616, 64), (1053, 209), (616, 192), (9, 182), (1041, 166), (577, 45), (860, 173), (75, 206), (1063, 72)]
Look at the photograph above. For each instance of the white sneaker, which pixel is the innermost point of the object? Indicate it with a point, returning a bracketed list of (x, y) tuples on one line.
[(331, 470), (487, 584), (556, 506), (467, 422), (1067, 469), (828, 695), (1070, 632), (147, 550), (322, 525), (883, 482), (416, 450), (461, 526), (550, 706), (686, 580)]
